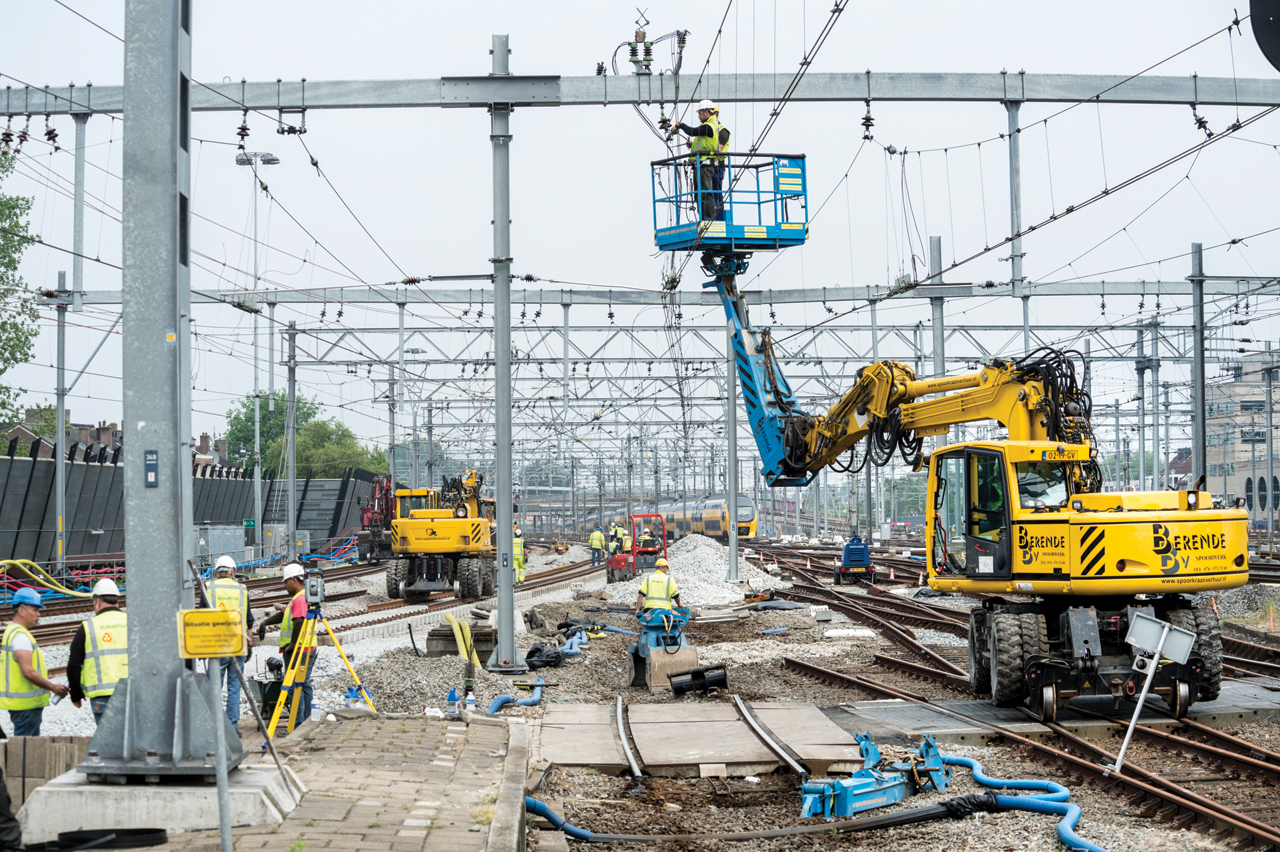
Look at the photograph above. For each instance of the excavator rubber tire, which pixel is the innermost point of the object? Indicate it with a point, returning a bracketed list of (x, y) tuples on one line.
[(979, 665), (488, 577), (395, 576), (1008, 681), (1035, 634), (1209, 644), (468, 579)]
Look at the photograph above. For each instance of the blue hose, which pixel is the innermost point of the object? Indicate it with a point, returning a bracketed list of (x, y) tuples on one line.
[(574, 646), (503, 700), (533, 806), (619, 630), (535, 697), (1051, 799)]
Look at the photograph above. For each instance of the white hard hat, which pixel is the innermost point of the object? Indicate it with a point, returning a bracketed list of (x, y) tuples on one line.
[(225, 563), (706, 104), (646, 529), (518, 533), (106, 588), (293, 569)]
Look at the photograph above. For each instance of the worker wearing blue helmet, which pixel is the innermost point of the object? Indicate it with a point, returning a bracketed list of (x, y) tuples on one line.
[(26, 687), (597, 546)]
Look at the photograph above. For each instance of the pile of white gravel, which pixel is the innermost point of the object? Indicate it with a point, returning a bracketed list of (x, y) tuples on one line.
[(698, 566)]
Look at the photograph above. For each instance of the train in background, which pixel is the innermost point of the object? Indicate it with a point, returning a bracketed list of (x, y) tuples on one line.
[(707, 516)]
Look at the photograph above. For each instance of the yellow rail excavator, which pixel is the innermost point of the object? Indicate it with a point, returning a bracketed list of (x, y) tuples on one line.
[(439, 538), (1024, 516)]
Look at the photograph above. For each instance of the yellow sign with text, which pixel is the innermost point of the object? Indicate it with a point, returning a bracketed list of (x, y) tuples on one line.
[(210, 633)]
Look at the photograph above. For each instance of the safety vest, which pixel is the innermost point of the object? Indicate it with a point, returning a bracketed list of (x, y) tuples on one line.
[(106, 653), (286, 626), (597, 540), (229, 594), (659, 590), (626, 542), (517, 548), (709, 146), (20, 693)]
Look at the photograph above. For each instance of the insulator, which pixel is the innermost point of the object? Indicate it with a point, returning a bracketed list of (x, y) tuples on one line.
[(635, 52), (599, 69)]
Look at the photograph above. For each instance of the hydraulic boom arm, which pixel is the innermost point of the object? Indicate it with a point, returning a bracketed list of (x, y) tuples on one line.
[(1036, 398)]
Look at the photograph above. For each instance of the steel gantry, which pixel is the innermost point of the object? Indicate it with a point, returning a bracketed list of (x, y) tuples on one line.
[(157, 297)]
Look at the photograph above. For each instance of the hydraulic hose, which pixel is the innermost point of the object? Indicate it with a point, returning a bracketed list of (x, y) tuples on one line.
[(498, 703), (1051, 799), (574, 646), (535, 697), (462, 636), (618, 630)]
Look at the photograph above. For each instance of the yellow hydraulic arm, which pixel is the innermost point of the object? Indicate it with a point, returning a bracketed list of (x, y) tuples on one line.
[(882, 406)]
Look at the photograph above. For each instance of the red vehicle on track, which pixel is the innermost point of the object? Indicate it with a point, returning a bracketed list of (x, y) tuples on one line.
[(644, 552)]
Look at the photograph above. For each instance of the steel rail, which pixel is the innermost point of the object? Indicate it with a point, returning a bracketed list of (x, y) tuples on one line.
[(950, 680), (624, 735), (857, 613), (1167, 800), (763, 734), (1260, 832)]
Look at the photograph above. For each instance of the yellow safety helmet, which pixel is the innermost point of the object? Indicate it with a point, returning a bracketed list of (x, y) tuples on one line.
[(661, 563)]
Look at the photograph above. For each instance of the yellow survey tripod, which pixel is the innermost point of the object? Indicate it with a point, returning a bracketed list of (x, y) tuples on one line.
[(304, 647)]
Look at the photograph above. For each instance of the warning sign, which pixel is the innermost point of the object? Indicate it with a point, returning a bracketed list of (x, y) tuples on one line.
[(210, 633)]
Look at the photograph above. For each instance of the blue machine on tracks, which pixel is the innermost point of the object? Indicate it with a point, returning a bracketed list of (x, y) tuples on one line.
[(855, 561), (878, 783)]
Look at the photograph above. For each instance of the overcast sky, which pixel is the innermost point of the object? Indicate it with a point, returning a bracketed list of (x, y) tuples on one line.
[(419, 180)]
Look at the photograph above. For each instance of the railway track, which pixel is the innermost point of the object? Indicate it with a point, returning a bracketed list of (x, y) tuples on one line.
[(1227, 802), (404, 609), (70, 606)]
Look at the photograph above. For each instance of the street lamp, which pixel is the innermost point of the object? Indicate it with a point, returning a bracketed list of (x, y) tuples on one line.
[(248, 158)]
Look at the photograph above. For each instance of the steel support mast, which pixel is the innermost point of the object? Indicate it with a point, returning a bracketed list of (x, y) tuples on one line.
[(506, 657), (161, 719)]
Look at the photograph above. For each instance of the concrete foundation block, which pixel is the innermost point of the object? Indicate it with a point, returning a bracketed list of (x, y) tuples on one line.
[(259, 796)]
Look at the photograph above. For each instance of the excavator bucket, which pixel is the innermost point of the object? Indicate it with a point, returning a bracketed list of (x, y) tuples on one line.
[(662, 663)]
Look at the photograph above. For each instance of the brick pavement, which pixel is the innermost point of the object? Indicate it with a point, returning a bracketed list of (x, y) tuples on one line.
[(382, 785)]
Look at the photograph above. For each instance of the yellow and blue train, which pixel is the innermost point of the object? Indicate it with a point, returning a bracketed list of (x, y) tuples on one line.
[(707, 516)]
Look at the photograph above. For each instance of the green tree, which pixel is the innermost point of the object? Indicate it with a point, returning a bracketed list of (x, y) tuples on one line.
[(45, 422), (325, 449), (271, 424), (18, 312)]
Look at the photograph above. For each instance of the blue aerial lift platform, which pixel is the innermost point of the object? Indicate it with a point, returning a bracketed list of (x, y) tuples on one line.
[(761, 204)]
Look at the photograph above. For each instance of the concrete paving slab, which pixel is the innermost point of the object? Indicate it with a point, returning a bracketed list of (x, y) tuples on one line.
[(674, 740), (70, 803), (821, 744), (581, 735)]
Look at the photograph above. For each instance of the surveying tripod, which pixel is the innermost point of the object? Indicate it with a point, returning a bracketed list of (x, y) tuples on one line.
[(304, 648)]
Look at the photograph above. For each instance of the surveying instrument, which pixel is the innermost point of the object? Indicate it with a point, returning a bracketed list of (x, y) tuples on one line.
[(304, 650)]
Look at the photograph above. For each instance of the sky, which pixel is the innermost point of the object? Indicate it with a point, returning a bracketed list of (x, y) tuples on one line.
[(419, 180)]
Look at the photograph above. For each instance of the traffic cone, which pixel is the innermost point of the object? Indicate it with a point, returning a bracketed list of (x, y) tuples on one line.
[(808, 564), (891, 577), (920, 582)]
